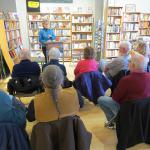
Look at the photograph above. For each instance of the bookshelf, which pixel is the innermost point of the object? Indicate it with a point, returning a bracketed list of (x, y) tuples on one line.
[(145, 24), (130, 28), (61, 24), (113, 31), (82, 32), (34, 25)]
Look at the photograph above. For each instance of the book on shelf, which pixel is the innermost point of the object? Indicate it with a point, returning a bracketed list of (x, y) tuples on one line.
[(112, 45), (113, 29), (130, 35), (87, 28), (66, 47), (35, 25), (81, 37), (81, 19), (80, 45), (39, 17), (60, 25), (33, 32), (62, 32), (113, 37), (112, 53), (113, 20), (145, 24), (114, 11), (145, 32), (131, 17), (145, 17), (33, 39), (60, 17), (130, 27)]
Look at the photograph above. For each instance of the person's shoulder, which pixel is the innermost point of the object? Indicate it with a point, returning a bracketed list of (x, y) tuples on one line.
[(69, 92)]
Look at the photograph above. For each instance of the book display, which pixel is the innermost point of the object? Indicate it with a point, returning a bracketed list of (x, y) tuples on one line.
[(74, 30), (130, 28), (82, 31), (11, 41), (145, 24), (113, 31)]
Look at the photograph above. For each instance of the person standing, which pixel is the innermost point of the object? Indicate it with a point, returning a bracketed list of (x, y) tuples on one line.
[(45, 35)]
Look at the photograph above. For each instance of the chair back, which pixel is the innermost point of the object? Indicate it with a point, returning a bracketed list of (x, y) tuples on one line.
[(115, 80), (13, 137), (65, 134), (133, 123), (92, 85)]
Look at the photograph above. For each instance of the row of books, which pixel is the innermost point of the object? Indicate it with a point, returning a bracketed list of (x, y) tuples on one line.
[(130, 35), (114, 12), (40, 17), (113, 29), (130, 27), (145, 32), (131, 17), (112, 45), (80, 45), (145, 17), (14, 34), (113, 20), (81, 28), (35, 25), (80, 19), (62, 32), (33, 32), (145, 24), (60, 17), (11, 25), (113, 37), (81, 37), (112, 53), (61, 25)]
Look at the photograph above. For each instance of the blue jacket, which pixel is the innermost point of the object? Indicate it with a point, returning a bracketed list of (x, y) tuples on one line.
[(26, 68), (92, 85), (56, 62), (13, 137), (45, 35), (12, 110)]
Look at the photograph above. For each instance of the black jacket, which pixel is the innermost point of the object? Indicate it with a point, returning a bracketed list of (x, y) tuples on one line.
[(133, 124)]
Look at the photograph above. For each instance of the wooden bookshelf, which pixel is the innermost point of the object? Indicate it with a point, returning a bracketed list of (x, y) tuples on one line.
[(10, 39), (130, 27), (145, 24), (113, 24), (82, 32)]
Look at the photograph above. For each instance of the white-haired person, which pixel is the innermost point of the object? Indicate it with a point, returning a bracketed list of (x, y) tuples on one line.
[(143, 48), (45, 35), (26, 67), (121, 62), (55, 102), (135, 86), (54, 55)]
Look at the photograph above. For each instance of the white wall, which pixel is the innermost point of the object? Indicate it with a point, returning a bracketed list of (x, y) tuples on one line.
[(141, 5), (22, 13)]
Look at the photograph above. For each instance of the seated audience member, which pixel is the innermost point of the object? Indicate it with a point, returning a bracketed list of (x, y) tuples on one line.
[(25, 75), (120, 63), (26, 67), (135, 86), (55, 102), (54, 55), (143, 49), (88, 64), (12, 110)]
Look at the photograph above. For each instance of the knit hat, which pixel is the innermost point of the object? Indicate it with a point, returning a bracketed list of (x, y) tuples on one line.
[(54, 53), (52, 76)]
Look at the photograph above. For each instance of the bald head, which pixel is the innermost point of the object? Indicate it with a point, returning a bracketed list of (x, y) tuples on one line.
[(24, 54), (124, 48)]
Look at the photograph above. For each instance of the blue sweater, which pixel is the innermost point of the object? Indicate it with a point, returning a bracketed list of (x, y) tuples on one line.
[(45, 35), (56, 62), (26, 68)]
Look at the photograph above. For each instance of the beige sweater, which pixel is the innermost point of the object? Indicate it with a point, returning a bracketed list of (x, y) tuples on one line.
[(45, 108)]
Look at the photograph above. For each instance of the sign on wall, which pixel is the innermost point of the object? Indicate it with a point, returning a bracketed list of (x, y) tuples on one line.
[(56, 1), (33, 5)]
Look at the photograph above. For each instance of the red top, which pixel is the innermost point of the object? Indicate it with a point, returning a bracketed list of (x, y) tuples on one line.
[(132, 87), (86, 65)]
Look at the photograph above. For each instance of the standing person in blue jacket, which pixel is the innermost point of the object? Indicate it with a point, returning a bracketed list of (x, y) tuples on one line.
[(45, 35)]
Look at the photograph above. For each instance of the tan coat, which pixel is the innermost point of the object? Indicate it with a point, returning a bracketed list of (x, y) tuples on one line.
[(45, 108)]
